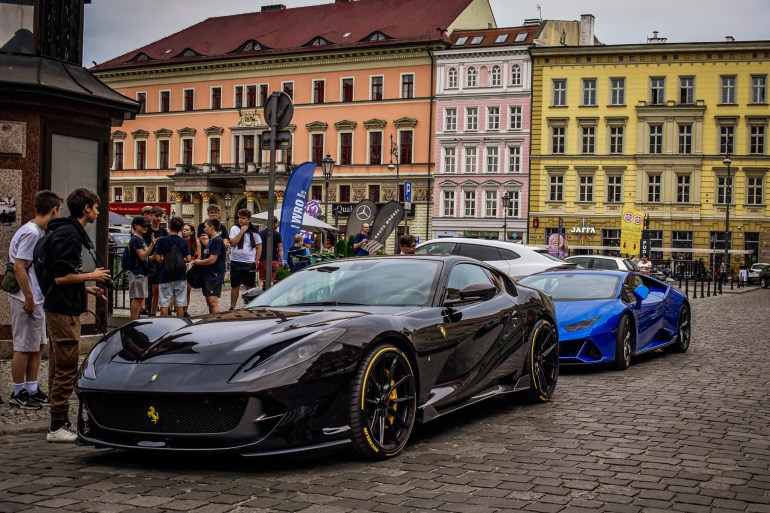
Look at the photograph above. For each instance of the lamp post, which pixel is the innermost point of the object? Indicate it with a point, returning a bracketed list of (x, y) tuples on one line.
[(391, 167), (727, 163), (327, 165), (228, 204), (506, 200)]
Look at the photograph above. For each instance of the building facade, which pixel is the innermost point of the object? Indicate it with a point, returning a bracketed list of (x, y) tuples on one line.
[(648, 127), (362, 87)]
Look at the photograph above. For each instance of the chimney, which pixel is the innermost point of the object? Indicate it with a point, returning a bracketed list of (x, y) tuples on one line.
[(655, 39), (274, 7), (730, 39), (587, 22)]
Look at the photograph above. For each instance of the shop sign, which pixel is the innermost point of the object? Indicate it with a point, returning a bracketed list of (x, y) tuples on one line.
[(344, 209), (583, 229), (136, 208)]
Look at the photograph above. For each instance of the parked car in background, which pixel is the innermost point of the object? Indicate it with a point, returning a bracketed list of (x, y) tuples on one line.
[(754, 271), (764, 277), (516, 260), (119, 240), (603, 262)]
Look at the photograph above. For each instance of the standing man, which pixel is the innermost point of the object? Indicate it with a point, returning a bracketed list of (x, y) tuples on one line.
[(360, 239), (138, 252), (407, 244), (245, 251), (65, 301), (213, 260), (27, 316), (214, 213), (172, 286), (154, 232), (277, 254)]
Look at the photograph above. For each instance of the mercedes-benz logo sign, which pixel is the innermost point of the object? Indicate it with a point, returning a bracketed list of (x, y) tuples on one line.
[(363, 213)]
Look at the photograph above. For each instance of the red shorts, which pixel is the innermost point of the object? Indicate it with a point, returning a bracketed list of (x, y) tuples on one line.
[(263, 267)]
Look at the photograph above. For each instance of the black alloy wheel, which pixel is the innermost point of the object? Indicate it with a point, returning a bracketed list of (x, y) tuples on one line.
[(383, 403), (683, 331), (624, 344), (542, 362)]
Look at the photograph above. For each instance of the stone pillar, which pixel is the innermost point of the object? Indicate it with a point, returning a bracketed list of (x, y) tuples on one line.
[(197, 209), (178, 203), (250, 200)]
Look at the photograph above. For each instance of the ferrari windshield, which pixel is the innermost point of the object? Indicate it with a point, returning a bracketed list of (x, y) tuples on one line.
[(395, 281), (574, 286)]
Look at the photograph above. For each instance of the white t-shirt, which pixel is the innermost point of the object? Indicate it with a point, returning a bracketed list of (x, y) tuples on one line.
[(249, 252), (22, 246)]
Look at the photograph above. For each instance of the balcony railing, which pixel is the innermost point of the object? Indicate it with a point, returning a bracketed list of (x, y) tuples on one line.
[(250, 168)]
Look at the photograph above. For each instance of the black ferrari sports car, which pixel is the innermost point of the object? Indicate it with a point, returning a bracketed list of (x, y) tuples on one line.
[(349, 352)]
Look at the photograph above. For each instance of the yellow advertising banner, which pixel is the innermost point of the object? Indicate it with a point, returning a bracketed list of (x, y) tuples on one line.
[(631, 225)]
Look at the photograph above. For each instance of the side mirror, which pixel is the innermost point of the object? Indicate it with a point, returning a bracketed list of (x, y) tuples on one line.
[(640, 293), (474, 292), (251, 294)]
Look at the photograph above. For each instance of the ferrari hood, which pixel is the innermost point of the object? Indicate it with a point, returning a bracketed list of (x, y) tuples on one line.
[(218, 339)]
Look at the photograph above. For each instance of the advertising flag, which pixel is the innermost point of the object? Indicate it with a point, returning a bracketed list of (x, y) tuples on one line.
[(388, 217), (293, 206), (631, 225), (363, 212)]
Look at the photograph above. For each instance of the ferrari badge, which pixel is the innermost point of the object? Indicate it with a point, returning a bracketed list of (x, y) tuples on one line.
[(443, 331), (153, 414), (153, 378)]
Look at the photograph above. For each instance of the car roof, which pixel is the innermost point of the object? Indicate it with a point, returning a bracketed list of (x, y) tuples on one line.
[(616, 272), (603, 257), (484, 242)]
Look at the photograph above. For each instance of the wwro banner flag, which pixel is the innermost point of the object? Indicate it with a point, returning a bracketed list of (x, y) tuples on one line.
[(293, 206)]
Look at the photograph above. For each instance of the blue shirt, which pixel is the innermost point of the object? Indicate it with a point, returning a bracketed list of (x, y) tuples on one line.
[(163, 246), (358, 238), (215, 273), (138, 266)]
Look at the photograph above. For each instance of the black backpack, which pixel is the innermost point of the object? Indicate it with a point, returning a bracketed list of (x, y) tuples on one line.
[(174, 265), (40, 262)]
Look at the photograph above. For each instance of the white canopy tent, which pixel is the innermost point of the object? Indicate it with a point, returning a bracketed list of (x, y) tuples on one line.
[(309, 223)]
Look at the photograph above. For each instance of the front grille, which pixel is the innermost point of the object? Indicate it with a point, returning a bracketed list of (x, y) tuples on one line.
[(168, 414)]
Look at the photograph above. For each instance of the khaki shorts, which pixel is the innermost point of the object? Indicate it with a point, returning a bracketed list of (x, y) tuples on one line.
[(28, 329)]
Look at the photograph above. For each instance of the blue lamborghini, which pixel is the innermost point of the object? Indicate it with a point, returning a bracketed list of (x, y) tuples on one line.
[(610, 316)]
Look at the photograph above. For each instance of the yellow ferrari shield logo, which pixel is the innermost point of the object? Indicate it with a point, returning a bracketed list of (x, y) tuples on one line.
[(443, 331), (153, 378), (153, 414)]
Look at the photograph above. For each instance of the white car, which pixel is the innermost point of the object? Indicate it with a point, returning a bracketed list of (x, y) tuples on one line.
[(603, 262), (754, 272), (516, 260)]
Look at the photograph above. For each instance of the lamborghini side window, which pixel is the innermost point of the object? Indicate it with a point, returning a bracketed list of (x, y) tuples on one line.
[(463, 275)]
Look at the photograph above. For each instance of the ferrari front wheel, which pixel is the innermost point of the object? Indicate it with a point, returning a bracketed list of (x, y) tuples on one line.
[(383, 403), (542, 362), (624, 343)]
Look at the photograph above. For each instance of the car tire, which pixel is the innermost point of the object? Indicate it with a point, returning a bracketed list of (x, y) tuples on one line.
[(683, 332), (763, 283), (383, 403), (542, 363), (624, 343)]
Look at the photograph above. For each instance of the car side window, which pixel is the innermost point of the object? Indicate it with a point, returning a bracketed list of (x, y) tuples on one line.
[(507, 254), (600, 263), (436, 248), (479, 252), (463, 275), (582, 262)]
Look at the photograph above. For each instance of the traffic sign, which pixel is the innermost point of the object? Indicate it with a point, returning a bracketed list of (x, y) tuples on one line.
[(279, 110), (282, 139), (408, 192)]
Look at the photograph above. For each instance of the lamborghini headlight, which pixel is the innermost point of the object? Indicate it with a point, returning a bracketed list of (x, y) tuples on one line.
[(582, 324)]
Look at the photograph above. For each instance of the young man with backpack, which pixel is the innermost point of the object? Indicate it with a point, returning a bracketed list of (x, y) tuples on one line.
[(27, 316), (154, 217), (135, 262), (214, 266), (58, 264), (245, 250), (172, 255)]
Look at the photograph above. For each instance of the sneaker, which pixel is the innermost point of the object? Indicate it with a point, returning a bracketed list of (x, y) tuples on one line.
[(61, 435), (24, 401), (41, 397)]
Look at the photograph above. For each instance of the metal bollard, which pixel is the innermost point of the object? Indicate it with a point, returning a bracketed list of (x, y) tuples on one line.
[(701, 289), (686, 287)]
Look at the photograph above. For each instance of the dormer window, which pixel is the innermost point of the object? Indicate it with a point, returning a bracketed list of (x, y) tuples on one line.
[(188, 52), (461, 41), (501, 39), (477, 40), (141, 57), (251, 46), (319, 41), (377, 36), (521, 37)]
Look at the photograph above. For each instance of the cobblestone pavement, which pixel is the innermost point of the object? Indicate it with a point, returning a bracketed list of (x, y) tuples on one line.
[(684, 433)]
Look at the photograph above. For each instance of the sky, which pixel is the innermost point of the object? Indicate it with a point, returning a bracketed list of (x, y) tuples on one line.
[(113, 28)]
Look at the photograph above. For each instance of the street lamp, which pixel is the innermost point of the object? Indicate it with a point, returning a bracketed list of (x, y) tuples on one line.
[(506, 201), (391, 167), (727, 163), (228, 204), (327, 165)]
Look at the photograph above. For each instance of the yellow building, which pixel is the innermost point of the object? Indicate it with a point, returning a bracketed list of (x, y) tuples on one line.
[(647, 127)]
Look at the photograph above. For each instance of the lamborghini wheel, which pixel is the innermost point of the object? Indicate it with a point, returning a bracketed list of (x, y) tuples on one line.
[(383, 403), (624, 343), (683, 332), (542, 362)]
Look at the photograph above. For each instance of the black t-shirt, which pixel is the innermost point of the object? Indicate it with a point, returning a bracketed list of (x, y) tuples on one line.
[(276, 241)]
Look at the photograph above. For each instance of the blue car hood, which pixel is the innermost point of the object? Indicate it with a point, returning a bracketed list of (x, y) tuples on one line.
[(570, 312)]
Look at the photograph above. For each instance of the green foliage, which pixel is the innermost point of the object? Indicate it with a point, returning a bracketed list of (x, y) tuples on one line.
[(281, 273), (344, 248)]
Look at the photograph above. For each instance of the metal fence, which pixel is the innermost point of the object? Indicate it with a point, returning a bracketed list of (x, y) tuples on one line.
[(118, 298)]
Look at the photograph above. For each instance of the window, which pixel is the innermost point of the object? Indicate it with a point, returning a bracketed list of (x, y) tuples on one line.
[(452, 78), (727, 94), (405, 146), (375, 147), (754, 190), (611, 238), (141, 154), (758, 89), (251, 96), (163, 153), (263, 94), (656, 241), (316, 192), (558, 137), (586, 188), (450, 160), (656, 138), (216, 98), (617, 91), (757, 140), (514, 122), (556, 188), (163, 194), (724, 190), (317, 148), (514, 159), (493, 159), (165, 101), (614, 189), (189, 99), (521, 36), (477, 40), (377, 85), (449, 203), (346, 148), (450, 119), (616, 140), (471, 118), (347, 90), (117, 150), (344, 193), (470, 159), (726, 139), (117, 194), (653, 188), (288, 88), (470, 204), (685, 139), (687, 90), (559, 93), (515, 75), (215, 150), (238, 97), (496, 77), (682, 239), (374, 193), (683, 188), (139, 194), (490, 203), (142, 99), (501, 39), (513, 204), (588, 140), (473, 77), (657, 91), (589, 92), (407, 86), (318, 91), (493, 118)]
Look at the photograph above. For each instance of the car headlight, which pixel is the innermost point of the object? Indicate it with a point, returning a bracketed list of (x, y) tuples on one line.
[(581, 325), (88, 370), (298, 352)]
